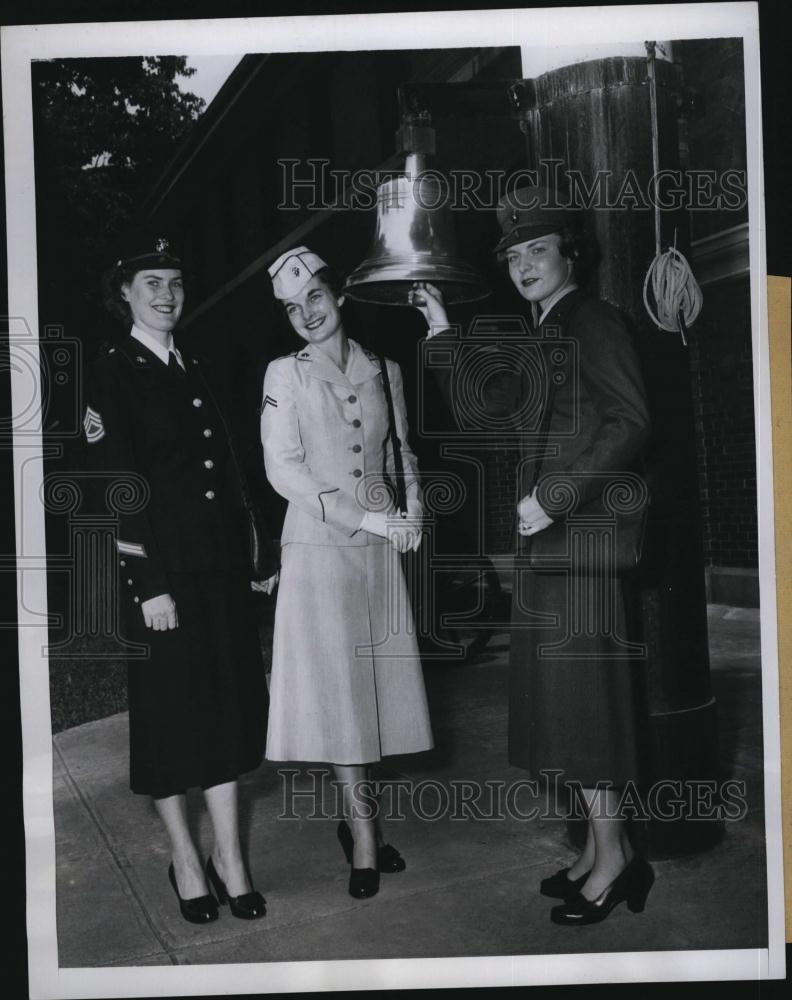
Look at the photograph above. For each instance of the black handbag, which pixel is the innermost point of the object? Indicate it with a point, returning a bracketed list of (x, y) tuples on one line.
[(600, 537)]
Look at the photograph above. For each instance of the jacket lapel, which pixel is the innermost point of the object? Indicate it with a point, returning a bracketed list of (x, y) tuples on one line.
[(317, 364), (363, 365)]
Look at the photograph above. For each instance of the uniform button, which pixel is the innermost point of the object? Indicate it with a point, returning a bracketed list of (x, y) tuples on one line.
[(356, 448), (136, 600), (197, 402), (210, 494), (208, 463), (357, 473), (129, 582), (122, 563), (356, 423), (352, 399), (207, 432)]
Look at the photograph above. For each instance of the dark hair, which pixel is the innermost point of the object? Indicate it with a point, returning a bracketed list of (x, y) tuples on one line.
[(113, 279), (331, 279), (581, 249)]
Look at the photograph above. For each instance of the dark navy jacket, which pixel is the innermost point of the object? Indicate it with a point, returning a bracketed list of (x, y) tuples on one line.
[(166, 429)]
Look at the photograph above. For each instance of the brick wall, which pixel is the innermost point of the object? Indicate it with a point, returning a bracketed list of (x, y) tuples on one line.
[(722, 373), (501, 473)]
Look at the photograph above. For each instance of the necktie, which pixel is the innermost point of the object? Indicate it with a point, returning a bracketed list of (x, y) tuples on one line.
[(174, 366)]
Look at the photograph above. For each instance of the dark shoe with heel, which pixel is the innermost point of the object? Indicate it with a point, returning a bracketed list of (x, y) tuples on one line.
[(558, 886), (363, 882), (200, 910), (388, 858), (247, 906), (631, 886)]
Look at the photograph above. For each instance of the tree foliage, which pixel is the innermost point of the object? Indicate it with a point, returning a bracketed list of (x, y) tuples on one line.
[(105, 128)]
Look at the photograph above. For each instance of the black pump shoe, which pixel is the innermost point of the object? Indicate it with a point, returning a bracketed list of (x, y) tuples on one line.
[(200, 910), (363, 882), (248, 906), (388, 858), (558, 886), (631, 886)]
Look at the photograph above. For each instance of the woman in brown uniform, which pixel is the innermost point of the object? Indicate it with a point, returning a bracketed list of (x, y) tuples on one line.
[(575, 701)]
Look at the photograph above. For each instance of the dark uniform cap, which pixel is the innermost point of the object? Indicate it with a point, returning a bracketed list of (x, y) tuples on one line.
[(531, 212), (147, 248)]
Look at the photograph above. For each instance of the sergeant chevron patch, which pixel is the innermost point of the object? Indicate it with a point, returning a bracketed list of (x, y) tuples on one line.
[(94, 427), (131, 549), (269, 401)]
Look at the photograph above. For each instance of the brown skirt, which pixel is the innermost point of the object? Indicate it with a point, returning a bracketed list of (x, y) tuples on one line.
[(577, 701)]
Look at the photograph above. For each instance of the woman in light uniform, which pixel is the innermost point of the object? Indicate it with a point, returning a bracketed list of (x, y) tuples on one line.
[(347, 686)]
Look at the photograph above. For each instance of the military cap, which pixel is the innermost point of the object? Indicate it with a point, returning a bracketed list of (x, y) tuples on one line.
[(148, 248), (531, 212), (293, 270)]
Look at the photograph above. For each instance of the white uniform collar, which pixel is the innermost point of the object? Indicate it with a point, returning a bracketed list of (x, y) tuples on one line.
[(359, 367), (555, 297), (156, 347)]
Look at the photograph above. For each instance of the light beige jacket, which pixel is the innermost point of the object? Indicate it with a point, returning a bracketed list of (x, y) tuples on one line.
[(326, 445)]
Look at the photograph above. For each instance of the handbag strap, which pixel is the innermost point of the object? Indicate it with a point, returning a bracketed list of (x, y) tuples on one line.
[(401, 489)]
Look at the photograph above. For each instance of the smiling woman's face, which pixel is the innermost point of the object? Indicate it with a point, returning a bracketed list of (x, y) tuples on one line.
[(314, 312), (537, 267), (156, 299)]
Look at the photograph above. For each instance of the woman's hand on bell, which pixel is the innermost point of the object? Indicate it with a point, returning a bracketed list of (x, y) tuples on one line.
[(531, 516), (265, 586), (428, 300), (159, 613)]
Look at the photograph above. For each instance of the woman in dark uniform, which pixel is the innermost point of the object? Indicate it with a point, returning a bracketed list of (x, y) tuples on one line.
[(575, 710), (197, 704)]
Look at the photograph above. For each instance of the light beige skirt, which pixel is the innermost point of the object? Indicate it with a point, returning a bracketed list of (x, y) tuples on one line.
[(347, 683)]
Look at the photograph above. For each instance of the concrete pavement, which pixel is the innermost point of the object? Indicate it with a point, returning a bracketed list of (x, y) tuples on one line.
[(470, 887)]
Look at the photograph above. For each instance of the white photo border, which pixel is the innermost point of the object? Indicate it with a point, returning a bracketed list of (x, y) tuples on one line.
[(23, 44)]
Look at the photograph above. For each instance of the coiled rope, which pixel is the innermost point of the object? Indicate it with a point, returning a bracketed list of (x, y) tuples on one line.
[(675, 292)]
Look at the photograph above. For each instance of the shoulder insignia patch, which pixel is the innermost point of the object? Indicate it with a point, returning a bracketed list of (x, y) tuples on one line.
[(94, 426), (269, 401), (131, 549)]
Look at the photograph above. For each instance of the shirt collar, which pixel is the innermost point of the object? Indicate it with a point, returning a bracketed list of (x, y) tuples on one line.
[(555, 297), (156, 347)]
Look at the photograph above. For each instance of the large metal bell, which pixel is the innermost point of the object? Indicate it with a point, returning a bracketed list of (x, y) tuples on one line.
[(413, 241)]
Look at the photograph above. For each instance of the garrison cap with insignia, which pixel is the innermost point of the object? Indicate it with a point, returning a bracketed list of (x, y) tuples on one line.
[(148, 248), (531, 212), (293, 270)]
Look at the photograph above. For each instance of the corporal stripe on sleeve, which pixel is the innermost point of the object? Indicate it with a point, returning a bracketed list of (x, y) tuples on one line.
[(131, 549)]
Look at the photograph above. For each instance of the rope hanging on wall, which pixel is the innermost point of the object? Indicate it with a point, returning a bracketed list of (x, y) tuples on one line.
[(676, 293)]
